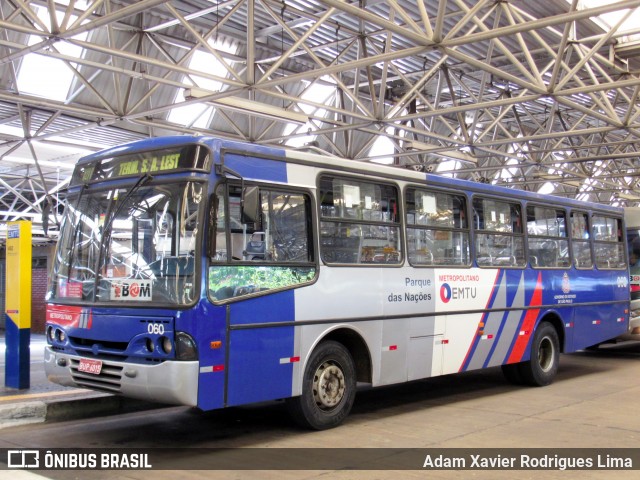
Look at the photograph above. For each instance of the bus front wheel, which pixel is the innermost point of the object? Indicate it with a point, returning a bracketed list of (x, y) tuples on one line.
[(541, 369), (328, 388)]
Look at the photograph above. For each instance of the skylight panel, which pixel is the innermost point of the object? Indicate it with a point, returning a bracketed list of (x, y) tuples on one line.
[(547, 188), (317, 93), (448, 166), (383, 150), (46, 76), (199, 115), (608, 20), (192, 116)]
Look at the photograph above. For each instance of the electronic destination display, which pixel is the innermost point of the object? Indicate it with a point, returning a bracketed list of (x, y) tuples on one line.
[(166, 160)]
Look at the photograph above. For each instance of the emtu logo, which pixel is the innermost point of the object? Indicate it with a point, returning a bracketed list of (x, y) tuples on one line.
[(448, 293), (445, 293)]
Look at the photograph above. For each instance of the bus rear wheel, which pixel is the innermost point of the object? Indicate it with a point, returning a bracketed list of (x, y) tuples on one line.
[(541, 369), (328, 388)]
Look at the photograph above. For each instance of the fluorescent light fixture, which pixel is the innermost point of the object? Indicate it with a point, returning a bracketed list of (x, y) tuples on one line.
[(549, 177), (418, 145), (627, 196), (248, 107)]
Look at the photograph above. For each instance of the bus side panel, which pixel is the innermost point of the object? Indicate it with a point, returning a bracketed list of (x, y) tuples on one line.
[(261, 360), (597, 324), (406, 344), (589, 324)]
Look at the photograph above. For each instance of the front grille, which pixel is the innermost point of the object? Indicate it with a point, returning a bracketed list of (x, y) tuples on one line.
[(84, 342), (108, 380)]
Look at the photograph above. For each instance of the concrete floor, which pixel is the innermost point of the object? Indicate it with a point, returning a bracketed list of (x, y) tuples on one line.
[(592, 404)]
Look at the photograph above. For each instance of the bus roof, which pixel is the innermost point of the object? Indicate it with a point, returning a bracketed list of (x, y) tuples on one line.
[(319, 160)]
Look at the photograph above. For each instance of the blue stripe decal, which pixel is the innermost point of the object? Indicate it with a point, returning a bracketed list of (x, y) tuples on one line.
[(509, 328), (257, 168), (485, 317), (496, 340)]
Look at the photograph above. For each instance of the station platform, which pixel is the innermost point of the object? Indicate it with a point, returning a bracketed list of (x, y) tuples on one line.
[(45, 401)]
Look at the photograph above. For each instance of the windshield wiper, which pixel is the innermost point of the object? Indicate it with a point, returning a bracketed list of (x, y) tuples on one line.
[(141, 181), (75, 230), (106, 228)]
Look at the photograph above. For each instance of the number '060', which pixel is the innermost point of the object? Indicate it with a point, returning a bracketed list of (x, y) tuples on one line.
[(155, 328)]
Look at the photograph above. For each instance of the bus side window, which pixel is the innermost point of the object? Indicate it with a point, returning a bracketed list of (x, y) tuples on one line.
[(359, 222), (499, 240), (547, 242), (284, 233), (274, 251), (437, 230), (580, 241)]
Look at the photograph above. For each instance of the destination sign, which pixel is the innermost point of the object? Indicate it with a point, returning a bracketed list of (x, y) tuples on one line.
[(190, 157)]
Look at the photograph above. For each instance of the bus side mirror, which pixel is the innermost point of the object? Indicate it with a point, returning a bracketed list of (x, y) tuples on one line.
[(250, 204)]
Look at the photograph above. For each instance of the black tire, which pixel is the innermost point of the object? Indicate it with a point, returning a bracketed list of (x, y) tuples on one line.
[(541, 369), (512, 373), (328, 388)]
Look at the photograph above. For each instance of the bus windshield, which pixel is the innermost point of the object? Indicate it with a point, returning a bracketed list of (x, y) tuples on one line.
[(129, 245)]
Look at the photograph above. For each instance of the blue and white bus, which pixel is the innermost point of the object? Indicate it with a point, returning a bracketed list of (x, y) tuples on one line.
[(210, 273)]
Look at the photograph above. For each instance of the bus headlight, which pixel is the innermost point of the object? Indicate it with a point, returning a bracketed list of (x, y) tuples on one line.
[(51, 334), (185, 347), (167, 347), (61, 336)]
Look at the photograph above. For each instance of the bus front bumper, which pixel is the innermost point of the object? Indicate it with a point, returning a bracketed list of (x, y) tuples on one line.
[(171, 382)]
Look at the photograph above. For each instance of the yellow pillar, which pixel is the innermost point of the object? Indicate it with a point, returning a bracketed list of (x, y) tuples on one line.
[(18, 304)]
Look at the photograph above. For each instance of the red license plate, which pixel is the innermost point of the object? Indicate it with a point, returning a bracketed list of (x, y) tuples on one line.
[(90, 366)]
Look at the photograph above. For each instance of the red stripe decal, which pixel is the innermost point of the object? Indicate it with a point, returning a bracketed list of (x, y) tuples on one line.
[(529, 322)]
